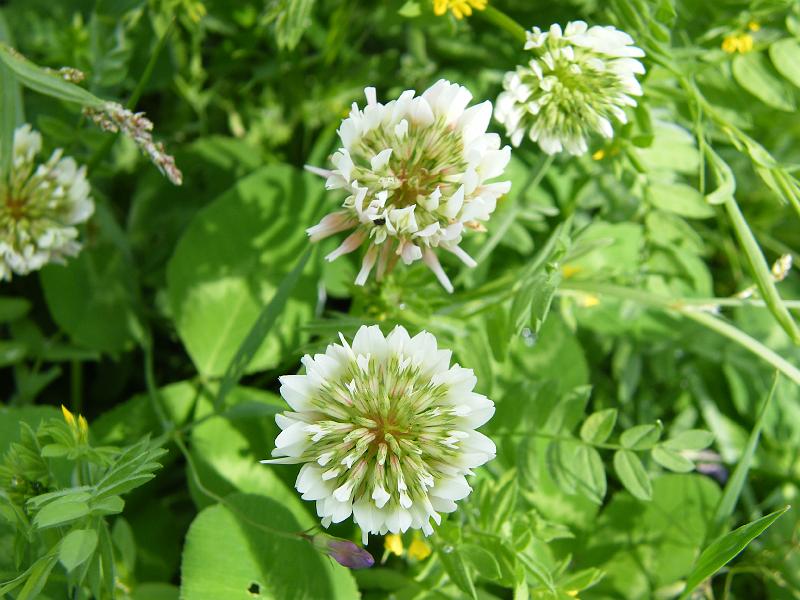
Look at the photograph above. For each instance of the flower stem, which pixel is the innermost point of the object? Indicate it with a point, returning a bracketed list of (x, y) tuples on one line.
[(724, 328), (503, 21), (219, 499)]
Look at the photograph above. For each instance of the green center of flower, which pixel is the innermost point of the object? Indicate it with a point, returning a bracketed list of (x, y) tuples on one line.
[(386, 427), (424, 158)]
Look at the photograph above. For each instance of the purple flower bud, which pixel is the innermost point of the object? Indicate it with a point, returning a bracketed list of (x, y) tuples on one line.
[(345, 552)]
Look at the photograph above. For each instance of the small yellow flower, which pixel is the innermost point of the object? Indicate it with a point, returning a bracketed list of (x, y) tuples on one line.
[(753, 26), (68, 416), (419, 550), (737, 42), (393, 543), (589, 300), (459, 8), (599, 155), (83, 426), (569, 270)]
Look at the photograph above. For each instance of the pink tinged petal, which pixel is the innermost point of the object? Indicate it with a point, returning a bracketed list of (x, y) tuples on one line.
[(352, 242), (463, 256), (366, 265), (329, 225), (318, 171), (431, 260)]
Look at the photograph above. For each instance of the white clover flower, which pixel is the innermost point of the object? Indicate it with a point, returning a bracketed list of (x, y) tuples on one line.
[(40, 204), (578, 81), (416, 171), (385, 430)]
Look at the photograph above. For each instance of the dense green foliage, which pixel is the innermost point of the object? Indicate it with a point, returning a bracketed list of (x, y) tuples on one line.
[(625, 315)]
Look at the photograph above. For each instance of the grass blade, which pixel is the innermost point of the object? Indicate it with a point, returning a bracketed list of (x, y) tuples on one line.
[(259, 330), (725, 549), (733, 489)]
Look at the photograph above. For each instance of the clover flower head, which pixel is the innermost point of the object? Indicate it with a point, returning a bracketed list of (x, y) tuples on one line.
[(40, 206), (385, 431), (416, 171), (578, 81)]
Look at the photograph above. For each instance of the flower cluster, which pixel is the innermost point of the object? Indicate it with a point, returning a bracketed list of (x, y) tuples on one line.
[(579, 79), (416, 171), (115, 117), (385, 430), (40, 206), (459, 8)]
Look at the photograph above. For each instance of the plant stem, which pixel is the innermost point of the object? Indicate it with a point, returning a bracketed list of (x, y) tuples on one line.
[(709, 321), (503, 21), (219, 499)]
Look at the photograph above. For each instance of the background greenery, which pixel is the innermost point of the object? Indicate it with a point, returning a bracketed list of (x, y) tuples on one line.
[(590, 319)]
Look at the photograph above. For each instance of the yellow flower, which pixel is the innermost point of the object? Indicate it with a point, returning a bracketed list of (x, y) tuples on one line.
[(599, 155), (753, 26), (68, 416), (589, 300), (393, 543), (569, 270), (459, 8), (737, 42), (419, 550)]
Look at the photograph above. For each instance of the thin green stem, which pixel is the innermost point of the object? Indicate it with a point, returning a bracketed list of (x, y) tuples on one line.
[(503, 21), (513, 210), (220, 500), (709, 321)]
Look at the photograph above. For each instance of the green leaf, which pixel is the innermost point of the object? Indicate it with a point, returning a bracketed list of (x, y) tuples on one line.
[(645, 547), (94, 297), (785, 55), (230, 262), (733, 488), (37, 577), (632, 474), (483, 561), (44, 82), (260, 330), (11, 107), (598, 426), (726, 182), (692, 439), (725, 549), (12, 309), (456, 568), (291, 23), (680, 199), (641, 437), (60, 511), (77, 547), (754, 73), (590, 473), (672, 460), (230, 549)]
